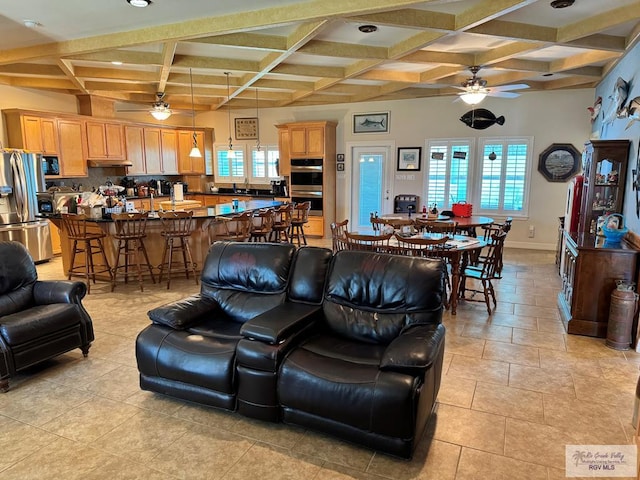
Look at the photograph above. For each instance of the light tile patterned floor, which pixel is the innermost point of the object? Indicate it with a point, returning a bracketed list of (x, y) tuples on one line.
[(515, 390)]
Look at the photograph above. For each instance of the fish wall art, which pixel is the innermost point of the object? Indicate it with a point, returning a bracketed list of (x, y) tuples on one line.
[(481, 118)]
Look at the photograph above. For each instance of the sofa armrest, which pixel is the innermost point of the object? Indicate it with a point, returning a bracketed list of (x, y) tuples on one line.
[(415, 350), (183, 313), (58, 291), (276, 325)]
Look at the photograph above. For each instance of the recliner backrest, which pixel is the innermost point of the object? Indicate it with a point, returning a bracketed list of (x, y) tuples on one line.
[(18, 275), (309, 275), (371, 297), (247, 279)]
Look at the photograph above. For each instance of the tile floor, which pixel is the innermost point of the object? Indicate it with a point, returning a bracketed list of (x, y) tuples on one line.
[(516, 388)]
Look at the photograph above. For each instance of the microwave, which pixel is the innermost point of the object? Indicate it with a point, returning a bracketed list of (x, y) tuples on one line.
[(50, 165)]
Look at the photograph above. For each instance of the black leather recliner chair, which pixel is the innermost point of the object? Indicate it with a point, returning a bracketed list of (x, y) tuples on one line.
[(38, 319), (370, 368), (189, 351)]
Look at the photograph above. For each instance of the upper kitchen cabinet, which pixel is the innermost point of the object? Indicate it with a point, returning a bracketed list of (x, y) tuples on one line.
[(605, 165), (186, 164), (151, 150), (32, 132), (105, 140), (134, 146), (307, 139), (284, 161), (169, 144), (73, 148)]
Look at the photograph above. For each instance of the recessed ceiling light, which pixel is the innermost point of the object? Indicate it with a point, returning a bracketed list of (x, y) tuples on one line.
[(367, 28), (139, 3), (116, 63), (562, 3), (32, 23)]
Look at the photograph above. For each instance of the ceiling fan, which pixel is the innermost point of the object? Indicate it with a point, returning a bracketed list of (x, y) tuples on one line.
[(159, 110), (474, 90)]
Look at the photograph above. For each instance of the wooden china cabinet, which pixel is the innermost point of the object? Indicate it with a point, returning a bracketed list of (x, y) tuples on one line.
[(590, 265)]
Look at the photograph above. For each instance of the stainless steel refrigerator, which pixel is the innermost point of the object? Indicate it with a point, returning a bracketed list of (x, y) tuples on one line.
[(21, 177)]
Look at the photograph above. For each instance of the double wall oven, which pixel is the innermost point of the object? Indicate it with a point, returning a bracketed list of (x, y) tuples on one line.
[(306, 182)]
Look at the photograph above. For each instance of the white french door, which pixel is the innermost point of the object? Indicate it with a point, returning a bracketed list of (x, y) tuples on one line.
[(371, 186)]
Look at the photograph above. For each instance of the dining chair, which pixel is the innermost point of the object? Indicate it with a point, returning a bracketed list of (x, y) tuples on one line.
[(434, 226), (372, 243), (337, 235), (489, 232), (484, 272)]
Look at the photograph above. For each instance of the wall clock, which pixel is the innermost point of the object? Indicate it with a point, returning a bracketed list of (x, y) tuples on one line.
[(559, 162)]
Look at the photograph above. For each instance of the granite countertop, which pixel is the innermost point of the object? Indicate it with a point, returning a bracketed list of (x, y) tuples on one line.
[(221, 210)]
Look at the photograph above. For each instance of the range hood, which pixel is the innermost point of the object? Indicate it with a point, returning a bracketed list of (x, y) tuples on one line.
[(109, 163)]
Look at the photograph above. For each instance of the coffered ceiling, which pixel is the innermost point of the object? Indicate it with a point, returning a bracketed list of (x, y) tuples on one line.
[(289, 52)]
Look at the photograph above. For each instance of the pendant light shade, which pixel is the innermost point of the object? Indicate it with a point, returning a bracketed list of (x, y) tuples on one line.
[(230, 152), (195, 151)]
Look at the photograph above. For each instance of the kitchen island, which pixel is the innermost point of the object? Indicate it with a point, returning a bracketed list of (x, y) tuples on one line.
[(206, 219)]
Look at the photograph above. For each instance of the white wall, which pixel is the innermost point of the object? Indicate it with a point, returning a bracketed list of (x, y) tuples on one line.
[(549, 117), (620, 129)]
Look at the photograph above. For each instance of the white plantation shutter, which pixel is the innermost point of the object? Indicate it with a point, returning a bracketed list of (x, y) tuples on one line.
[(448, 172)]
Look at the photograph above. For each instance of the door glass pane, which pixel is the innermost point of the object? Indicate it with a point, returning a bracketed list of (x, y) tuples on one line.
[(370, 186)]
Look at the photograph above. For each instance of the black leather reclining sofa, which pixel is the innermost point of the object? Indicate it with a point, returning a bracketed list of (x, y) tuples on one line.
[(350, 344)]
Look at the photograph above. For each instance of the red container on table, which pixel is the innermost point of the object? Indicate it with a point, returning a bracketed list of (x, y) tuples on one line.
[(462, 209)]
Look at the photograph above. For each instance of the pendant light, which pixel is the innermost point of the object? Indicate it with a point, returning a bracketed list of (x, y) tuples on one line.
[(230, 152), (195, 151), (257, 124)]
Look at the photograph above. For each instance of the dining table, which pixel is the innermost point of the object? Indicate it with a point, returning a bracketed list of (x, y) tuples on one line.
[(466, 224), (457, 252)]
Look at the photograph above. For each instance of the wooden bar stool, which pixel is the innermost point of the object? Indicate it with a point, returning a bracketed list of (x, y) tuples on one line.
[(130, 232), (87, 244), (282, 222), (177, 227), (299, 219), (235, 228), (262, 225)]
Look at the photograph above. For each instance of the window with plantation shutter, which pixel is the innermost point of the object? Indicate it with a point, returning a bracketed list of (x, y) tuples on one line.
[(264, 163), (504, 166), (448, 174), (230, 169)]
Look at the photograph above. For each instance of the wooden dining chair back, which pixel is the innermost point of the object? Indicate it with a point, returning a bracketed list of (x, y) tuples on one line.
[(434, 226), (484, 273), (177, 227), (282, 222), (338, 240), (372, 243), (298, 221), (262, 225)]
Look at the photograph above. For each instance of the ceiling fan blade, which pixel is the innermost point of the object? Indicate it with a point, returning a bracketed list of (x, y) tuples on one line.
[(503, 94), (505, 88)]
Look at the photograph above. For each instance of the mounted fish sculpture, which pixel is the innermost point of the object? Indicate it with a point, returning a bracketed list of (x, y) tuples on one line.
[(633, 111), (481, 118), (595, 110), (617, 100)]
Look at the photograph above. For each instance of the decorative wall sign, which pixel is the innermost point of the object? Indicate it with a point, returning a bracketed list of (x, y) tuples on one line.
[(340, 166), (340, 157), (559, 162), (246, 128), (409, 158), (371, 122)]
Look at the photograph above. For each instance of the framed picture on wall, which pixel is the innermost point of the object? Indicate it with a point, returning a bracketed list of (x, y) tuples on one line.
[(246, 128), (371, 122), (409, 158), (559, 162)]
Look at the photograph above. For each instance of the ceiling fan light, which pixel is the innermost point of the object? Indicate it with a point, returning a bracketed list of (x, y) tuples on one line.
[(161, 113), (473, 98), (139, 3)]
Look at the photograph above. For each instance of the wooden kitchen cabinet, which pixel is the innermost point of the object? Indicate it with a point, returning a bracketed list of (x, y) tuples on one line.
[(284, 162), (152, 150), (306, 140), (105, 140), (134, 146), (589, 272), (73, 148), (169, 145), (32, 132), (190, 165)]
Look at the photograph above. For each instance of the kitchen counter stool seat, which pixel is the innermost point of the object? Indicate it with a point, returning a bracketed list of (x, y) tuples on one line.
[(298, 221), (177, 227), (86, 244), (130, 234)]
